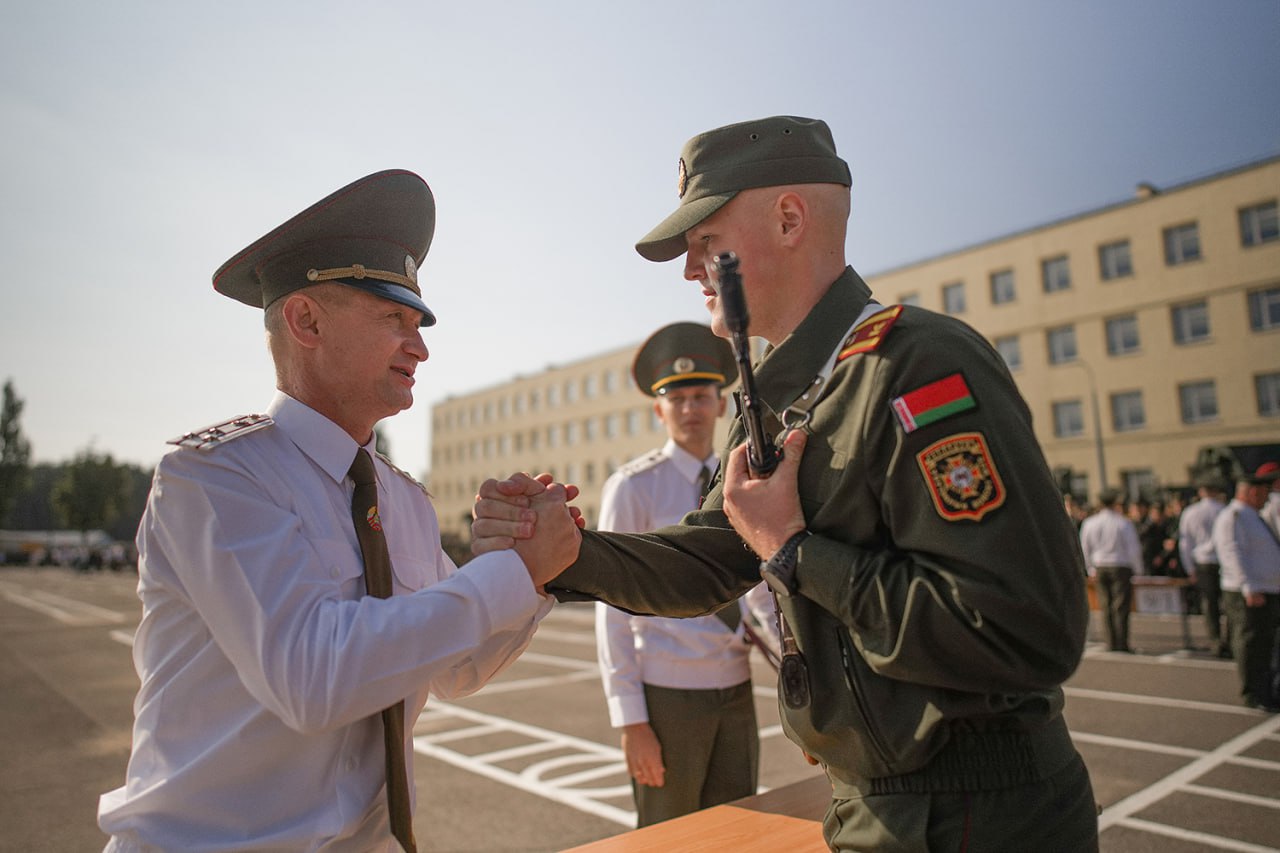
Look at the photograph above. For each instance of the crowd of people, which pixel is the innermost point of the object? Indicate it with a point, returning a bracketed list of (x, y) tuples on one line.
[(1225, 541)]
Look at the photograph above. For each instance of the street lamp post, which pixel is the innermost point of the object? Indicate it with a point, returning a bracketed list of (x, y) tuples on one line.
[(1097, 424)]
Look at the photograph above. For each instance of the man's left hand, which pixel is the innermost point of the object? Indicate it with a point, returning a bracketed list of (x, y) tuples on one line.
[(766, 512)]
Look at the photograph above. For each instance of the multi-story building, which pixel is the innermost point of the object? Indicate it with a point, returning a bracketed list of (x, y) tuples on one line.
[(1138, 333)]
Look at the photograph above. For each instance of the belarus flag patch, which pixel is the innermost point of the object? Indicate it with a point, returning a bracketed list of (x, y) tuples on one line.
[(933, 402)]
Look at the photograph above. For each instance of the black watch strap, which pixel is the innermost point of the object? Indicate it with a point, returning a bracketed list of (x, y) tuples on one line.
[(779, 571)]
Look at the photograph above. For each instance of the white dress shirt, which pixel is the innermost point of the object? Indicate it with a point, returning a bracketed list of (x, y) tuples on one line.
[(1195, 533), (654, 491), (1248, 550), (1109, 539), (264, 665)]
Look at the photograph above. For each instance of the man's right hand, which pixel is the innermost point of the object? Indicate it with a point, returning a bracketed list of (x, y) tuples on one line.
[(503, 514), (644, 755), (555, 540)]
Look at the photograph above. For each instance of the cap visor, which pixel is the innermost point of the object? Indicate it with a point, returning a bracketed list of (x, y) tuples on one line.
[(666, 242)]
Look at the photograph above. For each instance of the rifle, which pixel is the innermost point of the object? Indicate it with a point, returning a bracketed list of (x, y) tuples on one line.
[(762, 454)]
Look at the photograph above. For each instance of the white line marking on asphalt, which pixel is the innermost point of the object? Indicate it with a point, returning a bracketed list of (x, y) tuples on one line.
[(68, 611), (1162, 701), (1234, 796), (1124, 810), (125, 637), (1216, 841), (1127, 743)]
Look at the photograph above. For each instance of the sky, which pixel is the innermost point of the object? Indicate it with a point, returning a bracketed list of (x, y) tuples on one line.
[(144, 143)]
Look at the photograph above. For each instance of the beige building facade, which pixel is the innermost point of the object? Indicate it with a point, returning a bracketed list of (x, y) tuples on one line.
[(1138, 333)]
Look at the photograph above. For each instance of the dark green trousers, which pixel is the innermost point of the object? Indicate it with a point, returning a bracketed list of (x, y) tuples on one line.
[(1057, 813), (710, 746), (1253, 642)]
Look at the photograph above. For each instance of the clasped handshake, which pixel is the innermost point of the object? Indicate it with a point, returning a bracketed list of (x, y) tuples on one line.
[(533, 514)]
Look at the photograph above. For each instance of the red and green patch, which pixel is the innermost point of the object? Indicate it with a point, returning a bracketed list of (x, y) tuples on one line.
[(933, 402)]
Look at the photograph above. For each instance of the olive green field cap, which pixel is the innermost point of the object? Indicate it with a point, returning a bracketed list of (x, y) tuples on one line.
[(683, 354), (717, 165), (372, 234)]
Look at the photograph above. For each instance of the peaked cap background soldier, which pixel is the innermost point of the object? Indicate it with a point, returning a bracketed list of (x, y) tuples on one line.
[(271, 683), (680, 689), (934, 587)]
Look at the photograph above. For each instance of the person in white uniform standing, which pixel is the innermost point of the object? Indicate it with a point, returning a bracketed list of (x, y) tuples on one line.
[(297, 607), (680, 689)]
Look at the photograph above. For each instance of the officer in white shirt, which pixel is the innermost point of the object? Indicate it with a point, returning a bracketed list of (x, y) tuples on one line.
[(1195, 546), (1112, 556), (1250, 555), (680, 689), (265, 667), (1271, 512)]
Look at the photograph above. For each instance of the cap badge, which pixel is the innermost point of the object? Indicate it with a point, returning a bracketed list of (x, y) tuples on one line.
[(682, 179), (410, 269), (683, 364)]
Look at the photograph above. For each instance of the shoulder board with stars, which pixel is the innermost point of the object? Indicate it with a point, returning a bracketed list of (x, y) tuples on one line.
[(868, 334), (221, 433), (404, 474), (642, 463)]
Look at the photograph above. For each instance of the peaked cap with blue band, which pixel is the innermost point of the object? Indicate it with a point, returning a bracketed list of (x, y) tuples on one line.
[(371, 235)]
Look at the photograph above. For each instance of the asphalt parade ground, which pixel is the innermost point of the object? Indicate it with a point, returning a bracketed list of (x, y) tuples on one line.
[(530, 763)]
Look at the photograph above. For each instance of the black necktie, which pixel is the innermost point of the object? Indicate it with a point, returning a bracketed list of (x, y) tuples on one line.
[(377, 581), (730, 615)]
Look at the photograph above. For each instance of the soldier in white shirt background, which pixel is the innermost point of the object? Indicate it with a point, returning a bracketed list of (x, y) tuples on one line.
[(1249, 551), (680, 689), (265, 667), (1195, 543), (1112, 556)]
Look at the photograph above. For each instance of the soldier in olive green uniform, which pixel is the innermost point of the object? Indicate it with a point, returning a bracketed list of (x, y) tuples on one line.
[(932, 584)]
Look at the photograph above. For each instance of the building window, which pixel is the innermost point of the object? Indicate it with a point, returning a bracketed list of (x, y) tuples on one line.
[(589, 429), (1068, 418), (1010, 351), (610, 382), (1199, 402), (1190, 322), (1259, 224), (953, 298), (553, 433), (553, 397), (611, 426), (1181, 244), (1114, 260), (1122, 334), (534, 399), (655, 423), (1056, 274), (909, 299), (1127, 412), (571, 433), (1268, 388), (1062, 344), (633, 421), (570, 391), (1264, 309), (1138, 481), (589, 386), (1002, 287)]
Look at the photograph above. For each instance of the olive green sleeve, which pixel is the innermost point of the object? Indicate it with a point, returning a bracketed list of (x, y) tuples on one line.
[(971, 590), (689, 569)]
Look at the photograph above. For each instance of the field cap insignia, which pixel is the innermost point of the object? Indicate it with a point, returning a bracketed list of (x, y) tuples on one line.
[(962, 477), (933, 402), (870, 332)]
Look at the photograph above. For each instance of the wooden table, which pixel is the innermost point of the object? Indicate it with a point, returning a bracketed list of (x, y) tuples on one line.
[(788, 818)]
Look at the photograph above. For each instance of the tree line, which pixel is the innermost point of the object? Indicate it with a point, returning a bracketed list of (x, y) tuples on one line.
[(90, 492)]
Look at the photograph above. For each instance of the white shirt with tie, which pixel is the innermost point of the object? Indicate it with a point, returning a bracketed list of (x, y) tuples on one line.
[(264, 665)]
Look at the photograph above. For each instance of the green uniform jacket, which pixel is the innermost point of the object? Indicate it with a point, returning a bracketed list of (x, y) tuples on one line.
[(944, 580)]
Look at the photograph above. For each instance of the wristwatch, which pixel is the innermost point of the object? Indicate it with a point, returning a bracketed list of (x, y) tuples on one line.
[(779, 571)]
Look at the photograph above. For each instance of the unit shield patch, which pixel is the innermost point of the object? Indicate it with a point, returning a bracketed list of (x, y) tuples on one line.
[(962, 477)]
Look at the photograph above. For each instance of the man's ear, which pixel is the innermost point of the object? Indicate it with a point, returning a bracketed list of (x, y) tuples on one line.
[(792, 214), (302, 319)]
